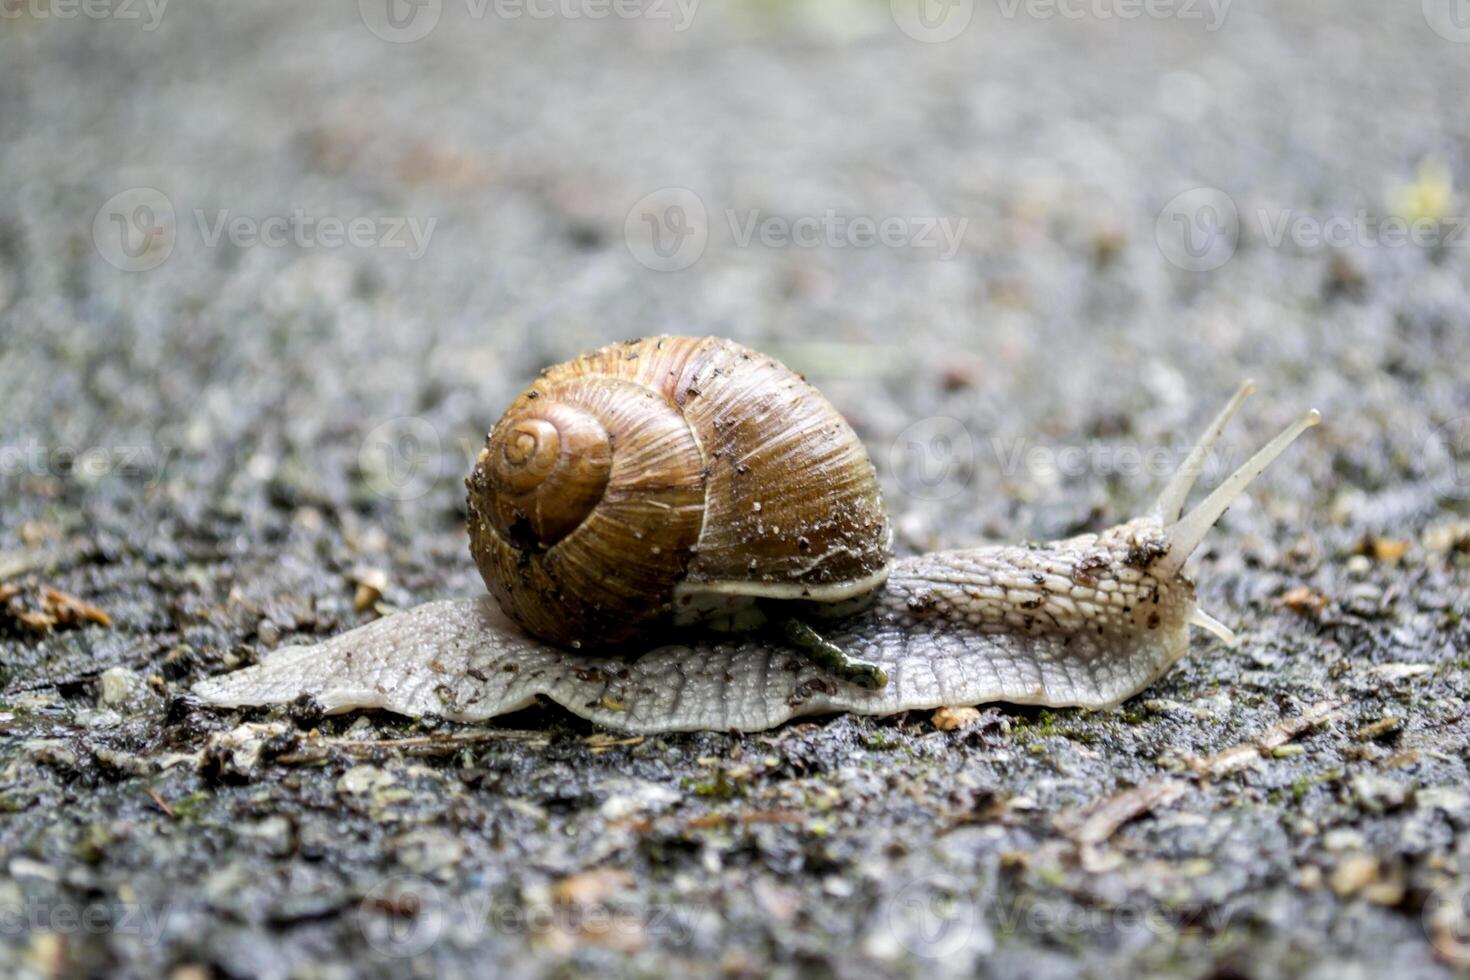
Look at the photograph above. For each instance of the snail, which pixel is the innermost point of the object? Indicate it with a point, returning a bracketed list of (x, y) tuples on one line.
[(833, 625)]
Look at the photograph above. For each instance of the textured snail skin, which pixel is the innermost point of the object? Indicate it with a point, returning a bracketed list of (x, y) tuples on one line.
[(1088, 621), (959, 627)]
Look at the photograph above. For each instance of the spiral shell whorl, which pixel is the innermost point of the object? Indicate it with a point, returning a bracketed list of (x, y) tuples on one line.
[(548, 467), (585, 506)]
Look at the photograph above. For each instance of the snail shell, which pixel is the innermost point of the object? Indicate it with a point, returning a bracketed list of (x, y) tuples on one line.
[(671, 480)]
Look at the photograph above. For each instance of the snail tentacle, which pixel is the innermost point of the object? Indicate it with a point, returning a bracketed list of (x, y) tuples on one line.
[(1187, 532), (1170, 503)]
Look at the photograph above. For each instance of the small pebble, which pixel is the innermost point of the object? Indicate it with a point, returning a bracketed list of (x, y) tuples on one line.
[(1379, 794), (364, 779), (371, 584), (268, 632), (1342, 839), (428, 850), (1353, 874), (116, 686)]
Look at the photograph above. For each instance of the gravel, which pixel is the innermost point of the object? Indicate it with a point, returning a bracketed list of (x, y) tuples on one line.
[(227, 443)]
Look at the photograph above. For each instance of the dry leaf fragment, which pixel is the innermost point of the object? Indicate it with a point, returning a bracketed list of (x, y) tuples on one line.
[(68, 610), (1388, 550), (592, 887), (1378, 728), (955, 719), (1304, 600)]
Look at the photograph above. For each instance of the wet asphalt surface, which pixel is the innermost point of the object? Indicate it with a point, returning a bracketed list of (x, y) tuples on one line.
[(267, 274)]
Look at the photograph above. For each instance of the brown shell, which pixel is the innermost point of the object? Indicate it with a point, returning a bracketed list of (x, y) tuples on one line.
[(629, 478)]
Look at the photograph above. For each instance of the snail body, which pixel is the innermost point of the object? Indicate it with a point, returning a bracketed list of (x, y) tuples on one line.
[(1086, 621), (671, 481)]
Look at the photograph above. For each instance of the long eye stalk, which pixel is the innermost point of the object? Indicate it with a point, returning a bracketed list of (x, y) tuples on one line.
[(1187, 532), (1171, 501)]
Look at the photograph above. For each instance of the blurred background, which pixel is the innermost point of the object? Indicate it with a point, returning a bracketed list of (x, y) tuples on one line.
[(269, 271), (238, 239)]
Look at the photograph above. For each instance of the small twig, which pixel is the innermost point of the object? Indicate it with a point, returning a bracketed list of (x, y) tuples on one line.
[(750, 816), (168, 811), (1240, 756), (601, 742), (1100, 821), (710, 821)]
